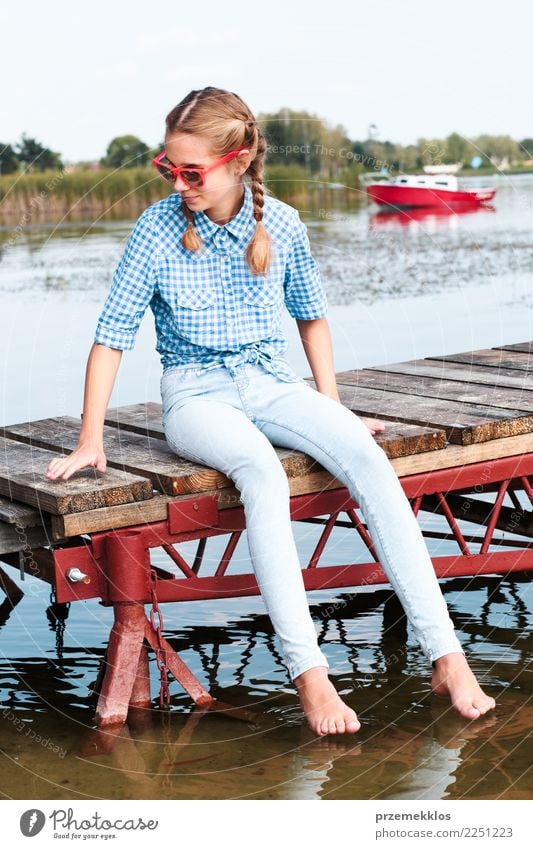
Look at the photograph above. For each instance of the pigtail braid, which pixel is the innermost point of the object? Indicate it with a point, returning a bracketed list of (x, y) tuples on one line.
[(259, 250), (190, 240)]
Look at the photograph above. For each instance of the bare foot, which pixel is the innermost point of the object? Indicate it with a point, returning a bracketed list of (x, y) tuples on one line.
[(324, 709), (374, 425), (453, 678)]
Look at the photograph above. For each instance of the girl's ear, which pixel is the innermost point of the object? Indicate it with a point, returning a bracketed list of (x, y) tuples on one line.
[(243, 161)]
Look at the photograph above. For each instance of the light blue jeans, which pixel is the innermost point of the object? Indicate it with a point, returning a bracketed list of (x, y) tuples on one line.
[(229, 418)]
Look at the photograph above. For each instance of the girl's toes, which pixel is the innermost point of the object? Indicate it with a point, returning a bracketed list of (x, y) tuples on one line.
[(472, 712), (323, 727), (340, 726), (484, 704)]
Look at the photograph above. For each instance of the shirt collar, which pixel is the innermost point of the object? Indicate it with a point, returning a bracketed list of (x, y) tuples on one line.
[(240, 226)]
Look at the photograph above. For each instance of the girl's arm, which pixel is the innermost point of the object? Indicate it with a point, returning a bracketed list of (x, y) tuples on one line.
[(101, 371), (316, 340), (130, 294)]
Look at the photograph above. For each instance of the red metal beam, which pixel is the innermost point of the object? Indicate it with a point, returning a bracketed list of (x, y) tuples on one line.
[(351, 575), (473, 475)]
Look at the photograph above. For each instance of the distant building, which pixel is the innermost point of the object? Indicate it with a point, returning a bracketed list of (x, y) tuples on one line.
[(502, 163), (89, 165)]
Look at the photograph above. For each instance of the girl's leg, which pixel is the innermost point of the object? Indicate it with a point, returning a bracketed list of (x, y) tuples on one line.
[(299, 417), (222, 437)]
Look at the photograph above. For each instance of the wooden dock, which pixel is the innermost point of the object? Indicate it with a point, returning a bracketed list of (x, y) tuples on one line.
[(459, 433)]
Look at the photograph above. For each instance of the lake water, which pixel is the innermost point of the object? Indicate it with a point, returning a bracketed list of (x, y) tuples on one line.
[(399, 288)]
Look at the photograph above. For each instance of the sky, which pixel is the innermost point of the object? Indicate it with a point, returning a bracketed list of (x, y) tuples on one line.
[(78, 74)]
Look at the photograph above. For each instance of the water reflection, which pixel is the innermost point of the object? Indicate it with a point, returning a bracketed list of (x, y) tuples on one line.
[(432, 218), (411, 745)]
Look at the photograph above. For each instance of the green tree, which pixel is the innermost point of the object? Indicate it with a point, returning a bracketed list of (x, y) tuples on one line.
[(430, 152), (457, 148), (126, 152), (409, 158), (498, 148), (526, 146), (35, 156), (304, 139), (9, 161), (380, 155), (358, 148)]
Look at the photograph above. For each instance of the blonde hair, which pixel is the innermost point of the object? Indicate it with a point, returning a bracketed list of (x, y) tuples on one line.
[(225, 120)]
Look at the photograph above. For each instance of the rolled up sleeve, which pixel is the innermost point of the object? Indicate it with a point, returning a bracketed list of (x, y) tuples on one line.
[(131, 289), (305, 297)]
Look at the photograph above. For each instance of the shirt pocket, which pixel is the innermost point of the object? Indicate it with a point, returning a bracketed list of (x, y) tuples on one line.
[(262, 296), (266, 294), (195, 313), (262, 304), (195, 298)]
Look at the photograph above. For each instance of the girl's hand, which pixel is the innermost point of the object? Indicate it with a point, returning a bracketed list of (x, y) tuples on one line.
[(374, 425), (84, 455)]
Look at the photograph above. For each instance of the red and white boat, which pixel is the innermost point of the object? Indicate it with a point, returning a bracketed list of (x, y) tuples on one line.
[(419, 190)]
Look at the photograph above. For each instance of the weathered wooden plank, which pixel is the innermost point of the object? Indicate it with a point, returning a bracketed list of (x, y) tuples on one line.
[(14, 538), (143, 455), (463, 424), (447, 390), (16, 513), (523, 347), (129, 452), (460, 372), (22, 477), (463, 455), (398, 440), (144, 418), (169, 474), (491, 357)]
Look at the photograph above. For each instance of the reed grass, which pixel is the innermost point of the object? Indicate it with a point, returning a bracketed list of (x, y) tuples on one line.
[(127, 191)]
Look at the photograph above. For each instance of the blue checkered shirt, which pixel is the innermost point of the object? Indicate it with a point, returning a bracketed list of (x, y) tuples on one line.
[(209, 308)]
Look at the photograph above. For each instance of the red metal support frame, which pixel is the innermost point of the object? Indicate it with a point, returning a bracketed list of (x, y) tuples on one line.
[(452, 523), (494, 516), (120, 573)]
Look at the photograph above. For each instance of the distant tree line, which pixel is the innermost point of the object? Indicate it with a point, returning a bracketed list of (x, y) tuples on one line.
[(298, 139), (306, 140), (28, 154)]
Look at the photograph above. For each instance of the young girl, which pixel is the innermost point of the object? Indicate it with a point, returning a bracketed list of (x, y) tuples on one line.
[(216, 261)]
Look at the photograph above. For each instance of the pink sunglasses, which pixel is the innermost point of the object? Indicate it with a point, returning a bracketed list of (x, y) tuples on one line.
[(194, 177)]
